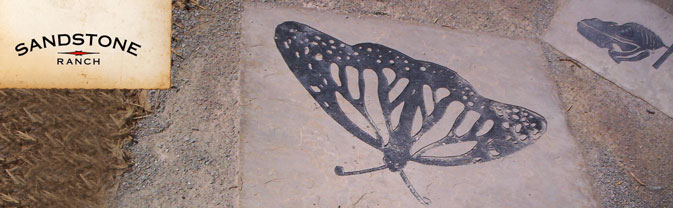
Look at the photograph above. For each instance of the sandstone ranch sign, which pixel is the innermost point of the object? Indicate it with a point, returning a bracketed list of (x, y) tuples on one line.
[(94, 45), (78, 39)]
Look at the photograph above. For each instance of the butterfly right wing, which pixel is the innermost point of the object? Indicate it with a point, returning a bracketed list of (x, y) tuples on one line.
[(495, 130)]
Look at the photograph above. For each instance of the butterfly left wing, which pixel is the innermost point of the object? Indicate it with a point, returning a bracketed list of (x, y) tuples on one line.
[(309, 55)]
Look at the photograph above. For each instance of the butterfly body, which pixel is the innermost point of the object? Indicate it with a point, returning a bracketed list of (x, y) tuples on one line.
[(412, 100), (397, 152)]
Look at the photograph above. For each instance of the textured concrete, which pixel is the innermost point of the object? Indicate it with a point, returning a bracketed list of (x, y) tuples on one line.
[(290, 146), (639, 77)]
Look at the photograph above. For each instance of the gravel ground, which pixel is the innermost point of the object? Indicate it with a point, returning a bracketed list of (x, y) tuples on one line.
[(187, 151), (624, 140)]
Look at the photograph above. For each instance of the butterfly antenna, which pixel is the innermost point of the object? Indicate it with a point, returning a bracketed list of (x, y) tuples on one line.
[(422, 199), (340, 170)]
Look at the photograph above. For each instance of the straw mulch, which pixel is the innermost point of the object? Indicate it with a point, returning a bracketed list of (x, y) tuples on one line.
[(63, 148)]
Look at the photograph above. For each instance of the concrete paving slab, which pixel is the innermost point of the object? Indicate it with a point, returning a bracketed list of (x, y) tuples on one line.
[(290, 145), (625, 41)]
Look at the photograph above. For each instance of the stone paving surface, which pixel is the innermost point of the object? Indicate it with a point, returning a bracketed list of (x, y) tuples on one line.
[(637, 77), (290, 145)]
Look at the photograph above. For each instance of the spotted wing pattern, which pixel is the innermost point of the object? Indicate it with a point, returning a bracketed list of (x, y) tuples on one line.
[(415, 97)]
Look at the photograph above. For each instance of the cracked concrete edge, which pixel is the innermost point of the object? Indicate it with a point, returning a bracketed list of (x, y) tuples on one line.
[(239, 173), (584, 165), (551, 63)]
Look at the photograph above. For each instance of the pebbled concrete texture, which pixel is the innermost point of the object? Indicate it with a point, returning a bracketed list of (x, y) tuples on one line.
[(638, 77), (290, 146)]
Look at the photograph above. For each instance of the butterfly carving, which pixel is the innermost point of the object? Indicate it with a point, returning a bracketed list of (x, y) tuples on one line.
[(626, 42), (401, 100)]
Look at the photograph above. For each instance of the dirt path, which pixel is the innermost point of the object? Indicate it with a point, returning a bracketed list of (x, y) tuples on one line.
[(186, 153)]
